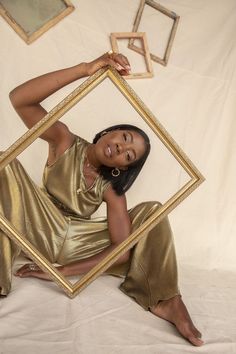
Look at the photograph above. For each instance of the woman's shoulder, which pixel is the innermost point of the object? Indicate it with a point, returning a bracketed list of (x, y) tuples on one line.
[(79, 141), (77, 146)]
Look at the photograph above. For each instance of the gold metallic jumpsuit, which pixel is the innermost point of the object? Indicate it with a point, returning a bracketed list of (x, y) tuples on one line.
[(57, 220)]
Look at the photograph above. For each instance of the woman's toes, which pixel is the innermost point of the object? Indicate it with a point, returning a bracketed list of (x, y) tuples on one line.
[(195, 341)]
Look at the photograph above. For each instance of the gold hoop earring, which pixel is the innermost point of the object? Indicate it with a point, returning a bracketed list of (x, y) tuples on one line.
[(115, 172)]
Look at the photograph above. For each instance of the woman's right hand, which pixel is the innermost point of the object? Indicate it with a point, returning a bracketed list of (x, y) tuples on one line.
[(116, 60)]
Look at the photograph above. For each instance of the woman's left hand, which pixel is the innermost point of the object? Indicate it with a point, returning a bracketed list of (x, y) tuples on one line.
[(32, 270), (116, 60)]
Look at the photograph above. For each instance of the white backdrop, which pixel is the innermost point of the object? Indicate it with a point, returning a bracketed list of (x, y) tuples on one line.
[(193, 97)]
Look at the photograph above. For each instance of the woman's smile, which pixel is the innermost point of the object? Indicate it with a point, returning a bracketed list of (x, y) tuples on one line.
[(108, 151)]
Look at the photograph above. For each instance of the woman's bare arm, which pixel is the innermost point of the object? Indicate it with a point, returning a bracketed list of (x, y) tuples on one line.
[(119, 227), (27, 97)]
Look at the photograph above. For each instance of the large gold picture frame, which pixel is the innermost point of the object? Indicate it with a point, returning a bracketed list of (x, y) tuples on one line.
[(195, 177), (30, 18)]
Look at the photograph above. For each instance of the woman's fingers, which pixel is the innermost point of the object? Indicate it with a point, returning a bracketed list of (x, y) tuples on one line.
[(32, 270), (116, 60), (22, 269), (119, 63), (115, 64), (28, 269), (122, 60)]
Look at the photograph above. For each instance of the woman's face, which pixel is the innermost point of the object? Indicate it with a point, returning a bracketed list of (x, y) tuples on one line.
[(120, 148)]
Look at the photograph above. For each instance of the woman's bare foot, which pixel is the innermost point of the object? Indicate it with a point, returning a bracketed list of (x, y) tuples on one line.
[(175, 311)]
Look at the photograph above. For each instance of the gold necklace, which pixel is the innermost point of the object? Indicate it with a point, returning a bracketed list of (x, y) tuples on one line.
[(81, 190)]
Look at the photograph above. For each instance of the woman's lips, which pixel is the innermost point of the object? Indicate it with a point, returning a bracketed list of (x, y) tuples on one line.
[(108, 151)]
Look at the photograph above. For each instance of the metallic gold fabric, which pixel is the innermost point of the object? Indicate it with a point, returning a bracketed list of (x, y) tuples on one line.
[(30, 210), (57, 221), (65, 182)]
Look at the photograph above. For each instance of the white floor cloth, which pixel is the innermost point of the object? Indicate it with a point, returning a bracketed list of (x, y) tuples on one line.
[(194, 98)]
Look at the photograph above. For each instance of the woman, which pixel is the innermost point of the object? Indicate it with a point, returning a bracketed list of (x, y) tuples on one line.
[(77, 178)]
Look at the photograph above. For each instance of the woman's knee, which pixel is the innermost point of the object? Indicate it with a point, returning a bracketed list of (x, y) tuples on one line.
[(147, 206), (143, 211)]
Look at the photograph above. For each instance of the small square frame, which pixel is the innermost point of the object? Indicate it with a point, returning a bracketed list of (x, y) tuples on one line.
[(29, 38), (137, 20), (57, 112), (134, 35)]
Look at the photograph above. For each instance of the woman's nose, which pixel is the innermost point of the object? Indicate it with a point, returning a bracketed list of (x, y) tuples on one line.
[(119, 148)]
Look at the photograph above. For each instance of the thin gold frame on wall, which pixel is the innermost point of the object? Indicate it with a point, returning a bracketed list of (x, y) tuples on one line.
[(134, 35), (32, 37), (57, 112), (137, 20)]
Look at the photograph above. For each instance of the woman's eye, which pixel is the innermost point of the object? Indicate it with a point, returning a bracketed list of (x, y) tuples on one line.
[(128, 156), (125, 137)]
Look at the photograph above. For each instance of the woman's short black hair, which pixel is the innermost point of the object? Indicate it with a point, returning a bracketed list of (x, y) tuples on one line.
[(127, 177)]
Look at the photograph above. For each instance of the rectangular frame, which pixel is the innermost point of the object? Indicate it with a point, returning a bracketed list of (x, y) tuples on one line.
[(142, 36), (57, 112), (31, 38), (166, 12)]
